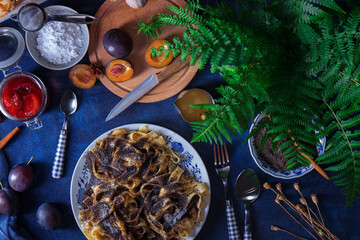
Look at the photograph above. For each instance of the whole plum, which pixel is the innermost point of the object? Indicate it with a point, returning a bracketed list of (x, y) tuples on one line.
[(48, 216), (21, 177), (9, 203), (117, 43)]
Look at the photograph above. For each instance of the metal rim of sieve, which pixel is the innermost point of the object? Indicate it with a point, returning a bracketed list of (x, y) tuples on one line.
[(40, 10)]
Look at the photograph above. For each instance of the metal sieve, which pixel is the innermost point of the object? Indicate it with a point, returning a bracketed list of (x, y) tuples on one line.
[(32, 17)]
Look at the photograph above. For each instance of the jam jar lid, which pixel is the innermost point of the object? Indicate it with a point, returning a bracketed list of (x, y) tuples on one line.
[(12, 47)]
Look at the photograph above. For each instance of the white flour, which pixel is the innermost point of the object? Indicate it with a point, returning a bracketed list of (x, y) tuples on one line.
[(59, 42)]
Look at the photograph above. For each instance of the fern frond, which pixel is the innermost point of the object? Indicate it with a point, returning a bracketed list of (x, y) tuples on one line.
[(296, 60), (187, 14), (330, 4), (151, 30), (234, 102), (343, 155)]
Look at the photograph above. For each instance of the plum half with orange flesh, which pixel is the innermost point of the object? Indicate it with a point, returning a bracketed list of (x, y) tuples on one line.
[(83, 76), (158, 60), (119, 70)]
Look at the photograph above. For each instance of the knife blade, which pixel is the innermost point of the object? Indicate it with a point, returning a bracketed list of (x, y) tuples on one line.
[(134, 95), (147, 85)]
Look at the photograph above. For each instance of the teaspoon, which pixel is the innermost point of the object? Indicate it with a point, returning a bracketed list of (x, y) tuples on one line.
[(247, 190), (68, 106)]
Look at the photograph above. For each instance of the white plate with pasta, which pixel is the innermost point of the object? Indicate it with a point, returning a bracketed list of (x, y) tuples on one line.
[(191, 162)]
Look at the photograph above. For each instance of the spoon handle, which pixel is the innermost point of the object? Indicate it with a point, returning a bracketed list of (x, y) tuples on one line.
[(231, 222), (247, 232), (58, 166)]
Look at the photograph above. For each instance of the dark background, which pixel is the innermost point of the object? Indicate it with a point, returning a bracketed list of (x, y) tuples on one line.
[(89, 122)]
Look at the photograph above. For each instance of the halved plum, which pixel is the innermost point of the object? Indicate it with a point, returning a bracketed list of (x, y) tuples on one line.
[(32, 104), (157, 61), (83, 76), (119, 70)]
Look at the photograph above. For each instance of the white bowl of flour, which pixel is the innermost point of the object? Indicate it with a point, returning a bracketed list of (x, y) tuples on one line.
[(58, 45)]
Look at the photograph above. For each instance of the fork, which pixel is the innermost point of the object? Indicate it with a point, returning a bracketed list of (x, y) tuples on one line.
[(222, 164)]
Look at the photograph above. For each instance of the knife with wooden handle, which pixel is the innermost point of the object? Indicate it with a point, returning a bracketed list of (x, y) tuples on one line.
[(147, 85)]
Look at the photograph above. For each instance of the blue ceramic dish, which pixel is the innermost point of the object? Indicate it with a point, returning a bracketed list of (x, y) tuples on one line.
[(275, 173)]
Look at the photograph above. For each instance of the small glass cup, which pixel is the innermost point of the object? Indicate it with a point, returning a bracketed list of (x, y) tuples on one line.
[(33, 122)]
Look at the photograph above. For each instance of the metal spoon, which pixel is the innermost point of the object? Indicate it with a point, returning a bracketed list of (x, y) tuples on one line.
[(247, 190), (68, 106)]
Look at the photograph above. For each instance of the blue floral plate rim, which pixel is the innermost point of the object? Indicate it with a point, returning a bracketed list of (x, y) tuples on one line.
[(191, 162)]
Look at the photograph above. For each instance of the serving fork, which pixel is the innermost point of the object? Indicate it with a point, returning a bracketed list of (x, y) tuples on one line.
[(222, 165)]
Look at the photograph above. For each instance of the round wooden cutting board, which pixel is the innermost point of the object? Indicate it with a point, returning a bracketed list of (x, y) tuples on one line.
[(117, 14)]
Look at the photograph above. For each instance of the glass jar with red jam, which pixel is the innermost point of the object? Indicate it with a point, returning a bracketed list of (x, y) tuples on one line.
[(23, 98)]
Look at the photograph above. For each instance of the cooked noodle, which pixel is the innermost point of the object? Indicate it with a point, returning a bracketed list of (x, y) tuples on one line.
[(139, 193), (6, 6)]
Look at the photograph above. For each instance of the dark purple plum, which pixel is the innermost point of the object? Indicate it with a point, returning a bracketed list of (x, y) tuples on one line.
[(6, 206), (117, 43), (48, 216), (21, 177), (9, 203)]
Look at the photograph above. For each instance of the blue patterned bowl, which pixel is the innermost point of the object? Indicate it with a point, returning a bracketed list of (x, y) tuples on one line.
[(275, 173)]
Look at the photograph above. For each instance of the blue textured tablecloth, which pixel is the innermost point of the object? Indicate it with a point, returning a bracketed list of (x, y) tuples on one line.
[(88, 123)]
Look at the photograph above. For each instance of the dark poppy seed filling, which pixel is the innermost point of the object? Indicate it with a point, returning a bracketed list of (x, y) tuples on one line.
[(137, 191)]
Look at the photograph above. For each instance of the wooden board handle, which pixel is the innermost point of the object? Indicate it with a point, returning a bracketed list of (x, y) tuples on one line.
[(176, 65)]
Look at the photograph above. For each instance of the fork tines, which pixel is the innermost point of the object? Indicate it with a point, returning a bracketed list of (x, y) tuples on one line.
[(219, 156)]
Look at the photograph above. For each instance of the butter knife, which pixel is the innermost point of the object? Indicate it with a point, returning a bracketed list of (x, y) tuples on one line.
[(148, 84)]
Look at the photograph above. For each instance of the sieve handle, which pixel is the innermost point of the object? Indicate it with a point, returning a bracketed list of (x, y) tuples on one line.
[(14, 17), (76, 18)]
